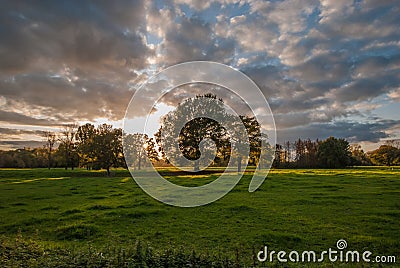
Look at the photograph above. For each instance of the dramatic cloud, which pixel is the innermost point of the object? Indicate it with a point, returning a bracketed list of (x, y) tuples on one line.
[(327, 67), (10, 131), (17, 118), (10, 145), (74, 58), (352, 131)]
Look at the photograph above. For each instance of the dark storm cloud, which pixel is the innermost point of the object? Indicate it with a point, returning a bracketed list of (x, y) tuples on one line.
[(17, 118), (7, 145), (12, 131), (334, 67), (192, 39), (270, 78), (366, 88), (352, 131)]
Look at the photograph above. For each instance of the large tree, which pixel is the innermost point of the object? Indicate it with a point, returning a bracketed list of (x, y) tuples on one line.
[(100, 147), (385, 155), (191, 130), (196, 133), (334, 153), (108, 147)]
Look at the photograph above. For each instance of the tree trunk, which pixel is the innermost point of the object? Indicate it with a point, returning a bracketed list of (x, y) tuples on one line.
[(139, 162), (49, 158), (239, 162), (66, 160), (108, 171), (196, 166)]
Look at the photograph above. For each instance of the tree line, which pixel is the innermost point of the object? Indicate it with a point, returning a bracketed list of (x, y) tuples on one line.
[(102, 147), (333, 153), (82, 146)]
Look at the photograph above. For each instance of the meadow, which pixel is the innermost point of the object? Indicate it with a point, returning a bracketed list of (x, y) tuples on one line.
[(69, 218)]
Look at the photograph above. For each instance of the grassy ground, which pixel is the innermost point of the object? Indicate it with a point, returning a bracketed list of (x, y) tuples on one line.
[(74, 211)]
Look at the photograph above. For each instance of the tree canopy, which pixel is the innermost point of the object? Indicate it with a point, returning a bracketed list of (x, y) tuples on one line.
[(386, 155), (334, 153), (205, 138)]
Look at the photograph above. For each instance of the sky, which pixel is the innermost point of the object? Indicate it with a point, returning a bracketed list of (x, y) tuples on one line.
[(326, 67)]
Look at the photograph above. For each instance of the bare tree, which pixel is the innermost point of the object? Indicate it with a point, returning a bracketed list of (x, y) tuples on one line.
[(50, 139)]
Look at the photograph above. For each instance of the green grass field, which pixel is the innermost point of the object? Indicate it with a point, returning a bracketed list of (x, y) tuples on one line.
[(66, 212)]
